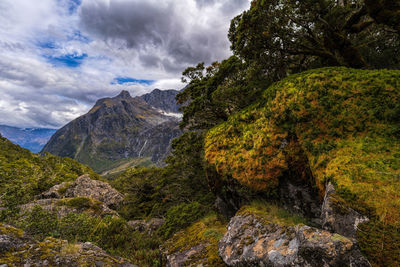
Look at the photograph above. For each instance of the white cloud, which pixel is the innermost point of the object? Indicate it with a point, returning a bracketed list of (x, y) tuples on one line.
[(105, 39)]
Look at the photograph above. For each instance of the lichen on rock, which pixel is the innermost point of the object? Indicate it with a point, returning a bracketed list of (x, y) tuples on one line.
[(252, 241)]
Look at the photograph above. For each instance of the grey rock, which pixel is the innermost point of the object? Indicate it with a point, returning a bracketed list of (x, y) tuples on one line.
[(341, 220), (181, 258), (250, 241), (61, 210), (162, 99), (83, 186), (300, 197), (53, 192), (8, 243)]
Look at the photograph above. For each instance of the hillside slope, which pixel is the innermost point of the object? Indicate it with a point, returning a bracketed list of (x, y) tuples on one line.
[(331, 125), (24, 174), (116, 129)]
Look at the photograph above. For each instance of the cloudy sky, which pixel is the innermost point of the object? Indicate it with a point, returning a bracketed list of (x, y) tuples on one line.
[(57, 57)]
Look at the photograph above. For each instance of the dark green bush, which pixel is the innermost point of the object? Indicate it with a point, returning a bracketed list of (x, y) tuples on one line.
[(181, 216)]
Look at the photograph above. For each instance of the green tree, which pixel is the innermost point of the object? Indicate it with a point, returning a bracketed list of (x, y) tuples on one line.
[(280, 37)]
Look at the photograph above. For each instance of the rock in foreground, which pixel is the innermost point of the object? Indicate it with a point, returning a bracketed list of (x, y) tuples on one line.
[(83, 186), (17, 249), (251, 241)]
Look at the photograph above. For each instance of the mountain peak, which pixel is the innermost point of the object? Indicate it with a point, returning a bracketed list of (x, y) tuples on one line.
[(124, 94)]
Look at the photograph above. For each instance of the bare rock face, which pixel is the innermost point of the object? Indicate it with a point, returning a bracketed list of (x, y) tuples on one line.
[(83, 186), (253, 242), (17, 249), (341, 220)]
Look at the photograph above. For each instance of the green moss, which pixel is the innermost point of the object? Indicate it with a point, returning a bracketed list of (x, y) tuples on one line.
[(63, 189), (207, 232), (81, 203), (342, 124), (341, 238), (270, 213)]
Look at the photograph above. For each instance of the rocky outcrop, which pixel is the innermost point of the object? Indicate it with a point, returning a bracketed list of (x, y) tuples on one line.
[(251, 241), (162, 99), (121, 127), (62, 207), (17, 249), (338, 218), (94, 197), (83, 186)]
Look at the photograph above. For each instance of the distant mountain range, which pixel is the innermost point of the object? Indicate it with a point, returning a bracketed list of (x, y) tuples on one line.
[(121, 130), (33, 139)]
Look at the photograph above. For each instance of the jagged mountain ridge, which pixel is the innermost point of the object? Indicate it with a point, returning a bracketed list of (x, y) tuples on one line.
[(33, 139), (162, 99), (118, 128)]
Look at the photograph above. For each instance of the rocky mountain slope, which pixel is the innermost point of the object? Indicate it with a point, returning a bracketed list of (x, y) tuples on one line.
[(162, 99), (120, 128), (33, 139)]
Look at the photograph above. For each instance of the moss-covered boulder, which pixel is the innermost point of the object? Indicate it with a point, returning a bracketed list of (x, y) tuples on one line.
[(333, 125)]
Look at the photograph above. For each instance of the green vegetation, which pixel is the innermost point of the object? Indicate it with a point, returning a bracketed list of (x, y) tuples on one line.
[(180, 216), (284, 106), (50, 249), (24, 174), (207, 232), (342, 124), (110, 233), (119, 166), (271, 213), (81, 203)]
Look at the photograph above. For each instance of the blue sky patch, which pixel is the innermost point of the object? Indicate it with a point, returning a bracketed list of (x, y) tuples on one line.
[(77, 35), (47, 45), (73, 5), (124, 80), (70, 60)]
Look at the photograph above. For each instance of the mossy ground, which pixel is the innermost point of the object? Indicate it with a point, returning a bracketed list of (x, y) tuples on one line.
[(49, 249), (208, 231), (343, 123), (82, 203), (271, 213)]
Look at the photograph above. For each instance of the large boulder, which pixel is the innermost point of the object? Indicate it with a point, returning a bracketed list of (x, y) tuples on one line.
[(83, 186), (251, 241)]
